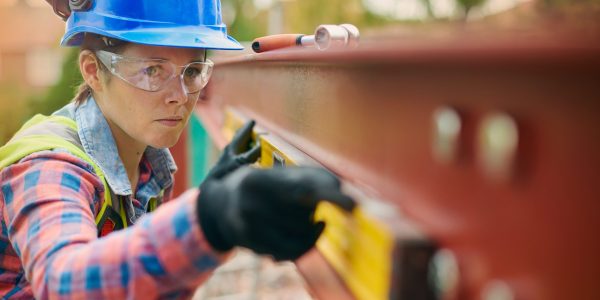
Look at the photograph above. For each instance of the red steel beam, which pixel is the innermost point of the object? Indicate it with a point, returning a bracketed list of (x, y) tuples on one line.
[(367, 114)]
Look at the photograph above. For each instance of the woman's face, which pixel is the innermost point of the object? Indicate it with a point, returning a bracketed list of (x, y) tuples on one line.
[(140, 118)]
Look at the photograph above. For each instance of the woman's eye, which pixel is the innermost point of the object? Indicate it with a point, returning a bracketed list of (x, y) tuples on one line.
[(191, 72), (152, 71)]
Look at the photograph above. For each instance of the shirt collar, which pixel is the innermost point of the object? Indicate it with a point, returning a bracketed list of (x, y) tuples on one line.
[(98, 142)]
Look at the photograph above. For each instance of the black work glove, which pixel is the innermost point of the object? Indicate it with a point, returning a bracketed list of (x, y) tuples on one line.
[(269, 211), (237, 153)]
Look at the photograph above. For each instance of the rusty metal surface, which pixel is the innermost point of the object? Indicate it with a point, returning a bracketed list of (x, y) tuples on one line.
[(368, 115)]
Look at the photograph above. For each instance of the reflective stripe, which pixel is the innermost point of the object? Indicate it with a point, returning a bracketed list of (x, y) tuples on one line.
[(56, 126)]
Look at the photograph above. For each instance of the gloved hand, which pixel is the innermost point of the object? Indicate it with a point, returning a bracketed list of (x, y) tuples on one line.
[(237, 153), (269, 211)]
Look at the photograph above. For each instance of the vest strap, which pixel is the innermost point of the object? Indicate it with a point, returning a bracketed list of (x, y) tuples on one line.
[(47, 133), (59, 132)]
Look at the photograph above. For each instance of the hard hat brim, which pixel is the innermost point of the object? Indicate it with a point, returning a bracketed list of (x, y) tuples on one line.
[(192, 37)]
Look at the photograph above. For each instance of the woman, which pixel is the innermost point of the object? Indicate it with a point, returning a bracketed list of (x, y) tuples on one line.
[(85, 193)]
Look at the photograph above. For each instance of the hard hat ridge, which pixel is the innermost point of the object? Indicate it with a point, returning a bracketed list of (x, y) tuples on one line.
[(174, 23)]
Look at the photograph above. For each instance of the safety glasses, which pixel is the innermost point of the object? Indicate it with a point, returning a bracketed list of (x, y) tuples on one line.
[(154, 74)]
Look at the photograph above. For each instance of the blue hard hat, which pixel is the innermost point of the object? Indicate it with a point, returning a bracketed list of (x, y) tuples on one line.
[(173, 23)]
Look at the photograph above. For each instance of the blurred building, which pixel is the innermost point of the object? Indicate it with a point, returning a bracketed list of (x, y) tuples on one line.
[(29, 56)]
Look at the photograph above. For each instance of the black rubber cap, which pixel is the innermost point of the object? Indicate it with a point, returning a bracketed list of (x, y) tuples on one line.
[(256, 47)]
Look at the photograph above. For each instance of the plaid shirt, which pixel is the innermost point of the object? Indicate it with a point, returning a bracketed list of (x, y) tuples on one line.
[(49, 246)]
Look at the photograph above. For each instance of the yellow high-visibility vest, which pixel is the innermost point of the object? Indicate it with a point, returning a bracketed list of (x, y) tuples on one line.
[(53, 132)]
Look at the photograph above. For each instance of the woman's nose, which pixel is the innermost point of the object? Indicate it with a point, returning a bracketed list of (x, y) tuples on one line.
[(177, 91)]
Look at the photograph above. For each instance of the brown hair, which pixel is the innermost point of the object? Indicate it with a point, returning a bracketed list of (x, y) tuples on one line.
[(95, 42)]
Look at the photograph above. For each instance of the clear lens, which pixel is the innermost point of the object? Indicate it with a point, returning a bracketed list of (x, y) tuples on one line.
[(196, 76), (146, 75), (153, 74)]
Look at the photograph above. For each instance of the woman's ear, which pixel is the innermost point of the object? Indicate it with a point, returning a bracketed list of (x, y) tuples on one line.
[(90, 70)]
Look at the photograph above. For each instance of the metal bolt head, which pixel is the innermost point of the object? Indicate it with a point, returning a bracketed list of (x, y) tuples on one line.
[(444, 274), (498, 142), (447, 127), (330, 36), (497, 290), (353, 35)]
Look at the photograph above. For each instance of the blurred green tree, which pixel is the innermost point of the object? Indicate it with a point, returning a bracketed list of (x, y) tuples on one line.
[(62, 91), (13, 110), (467, 5), (244, 21), (301, 16), (305, 16)]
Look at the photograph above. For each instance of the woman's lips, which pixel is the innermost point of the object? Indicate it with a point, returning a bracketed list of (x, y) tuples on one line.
[(170, 122)]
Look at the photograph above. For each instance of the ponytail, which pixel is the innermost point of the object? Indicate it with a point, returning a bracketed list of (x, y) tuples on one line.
[(82, 92)]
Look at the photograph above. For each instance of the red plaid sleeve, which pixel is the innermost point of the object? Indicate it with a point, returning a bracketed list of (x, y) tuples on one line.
[(49, 201)]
